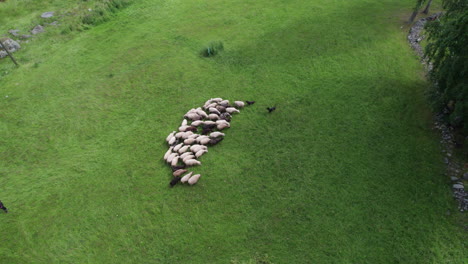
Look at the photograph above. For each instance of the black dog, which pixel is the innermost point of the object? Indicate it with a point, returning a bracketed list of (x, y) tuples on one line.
[(250, 102), (175, 181), (3, 207)]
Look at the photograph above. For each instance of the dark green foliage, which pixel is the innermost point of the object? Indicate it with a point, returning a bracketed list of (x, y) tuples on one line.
[(212, 49), (447, 51)]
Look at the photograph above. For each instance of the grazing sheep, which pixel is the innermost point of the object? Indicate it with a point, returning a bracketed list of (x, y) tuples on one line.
[(174, 168), (194, 147), (171, 157), (189, 141), (177, 147), (192, 162), (202, 113), (193, 116), (200, 138), (197, 123), (183, 128), (216, 134), (175, 181), (169, 152), (215, 141), (218, 122), (186, 177), (213, 116), (183, 149), (207, 123), (179, 172), (182, 156), (232, 110), (205, 141), (184, 122), (187, 134), (174, 161), (239, 104), (200, 153), (194, 150), (221, 108), (225, 116), (194, 179), (179, 134), (189, 157), (214, 111), (216, 100), (224, 103), (170, 136), (222, 126), (172, 140), (211, 105), (194, 136)]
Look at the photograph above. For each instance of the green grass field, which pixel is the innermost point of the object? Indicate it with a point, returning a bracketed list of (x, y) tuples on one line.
[(346, 170)]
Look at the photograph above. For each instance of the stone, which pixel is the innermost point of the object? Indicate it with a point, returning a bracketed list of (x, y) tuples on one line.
[(458, 186), (453, 178), (10, 45), (446, 160), (47, 14), (14, 32), (37, 29), (465, 176), (55, 23), (25, 36)]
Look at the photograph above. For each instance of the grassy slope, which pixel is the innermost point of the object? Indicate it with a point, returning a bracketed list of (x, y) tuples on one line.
[(345, 171)]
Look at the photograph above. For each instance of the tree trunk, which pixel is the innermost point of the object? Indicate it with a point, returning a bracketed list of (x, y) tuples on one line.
[(426, 10), (411, 19)]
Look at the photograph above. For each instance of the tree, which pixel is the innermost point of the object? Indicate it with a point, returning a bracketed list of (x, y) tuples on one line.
[(446, 50), (426, 10), (419, 3)]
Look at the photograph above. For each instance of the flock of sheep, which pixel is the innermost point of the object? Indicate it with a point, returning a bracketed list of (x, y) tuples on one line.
[(200, 128)]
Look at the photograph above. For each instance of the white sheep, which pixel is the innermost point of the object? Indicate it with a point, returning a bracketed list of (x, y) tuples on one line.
[(192, 162), (179, 172), (189, 157), (222, 122), (200, 138), (194, 136), (216, 100), (222, 126), (214, 111), (194, 179), (171, 157), (194, 147), (169, 152), (211, 105), (216, 134), (183, 149), (200, 153), (172, 140), (239, 104), (197, 123), (205, 141), (182, 156), (184, 122), (232, 110), (213, 116), (174, 161), (178, 146), (186, 177), (189, 141), (224, 103), (186, 134), (202, 113), (170, 136), (193, 116), (179, 134), (208, 122)]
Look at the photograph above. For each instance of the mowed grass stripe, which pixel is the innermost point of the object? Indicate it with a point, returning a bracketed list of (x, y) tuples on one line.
[(346, 170)]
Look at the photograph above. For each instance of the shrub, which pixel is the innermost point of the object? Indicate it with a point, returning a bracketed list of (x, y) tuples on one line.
[(212, 49)]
